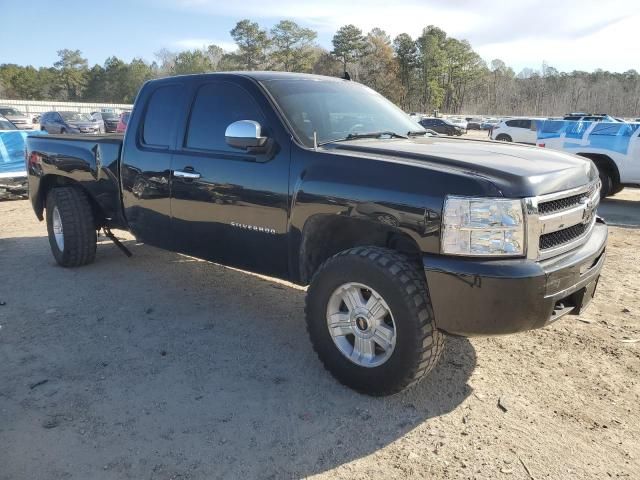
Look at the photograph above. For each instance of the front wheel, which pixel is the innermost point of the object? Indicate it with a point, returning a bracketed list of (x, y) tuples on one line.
[(503, 138), (71, 227), (370, 320)]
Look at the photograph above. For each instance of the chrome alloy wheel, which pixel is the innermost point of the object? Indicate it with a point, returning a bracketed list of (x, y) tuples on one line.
[(57, 229), (361, 324)]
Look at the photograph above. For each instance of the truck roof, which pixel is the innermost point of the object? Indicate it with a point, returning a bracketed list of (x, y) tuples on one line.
[(257, 75)]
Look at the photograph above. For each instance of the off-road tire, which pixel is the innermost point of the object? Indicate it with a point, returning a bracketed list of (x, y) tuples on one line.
[(78, 224), (402, 284)]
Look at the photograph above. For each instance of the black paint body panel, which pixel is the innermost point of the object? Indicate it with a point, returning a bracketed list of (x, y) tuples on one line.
[(91, 161), (255, 210), (475, 297)]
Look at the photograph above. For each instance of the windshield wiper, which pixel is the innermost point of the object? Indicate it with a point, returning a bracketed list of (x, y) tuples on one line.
[(417, 133), (358, 136)]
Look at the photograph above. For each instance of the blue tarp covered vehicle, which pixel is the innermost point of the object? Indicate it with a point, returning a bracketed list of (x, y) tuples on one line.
[(12, 152), (13, 175), (613, 146)]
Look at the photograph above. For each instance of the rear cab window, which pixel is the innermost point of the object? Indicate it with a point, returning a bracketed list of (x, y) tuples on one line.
[(161, 117)]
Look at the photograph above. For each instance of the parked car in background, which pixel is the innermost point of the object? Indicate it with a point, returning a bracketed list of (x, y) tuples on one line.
[(489, 123), (519, 130), (589, 117), (614, 147), (122, 123), (109, 119), (473, 123), (459, 122), (13, 175), (6, 124), (19, 119), (441, 125), (68, 122), (97, 118), (433, 133)]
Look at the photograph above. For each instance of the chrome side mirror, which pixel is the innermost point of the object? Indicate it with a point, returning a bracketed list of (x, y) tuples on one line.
[(245, 134)]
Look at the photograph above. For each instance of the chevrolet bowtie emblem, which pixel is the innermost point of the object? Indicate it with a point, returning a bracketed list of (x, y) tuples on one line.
[(589, 208)]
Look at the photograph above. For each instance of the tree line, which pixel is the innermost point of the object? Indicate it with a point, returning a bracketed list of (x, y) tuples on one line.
[(431, 72)]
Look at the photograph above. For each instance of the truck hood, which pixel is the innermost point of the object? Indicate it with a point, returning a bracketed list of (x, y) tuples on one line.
[(516, 170)]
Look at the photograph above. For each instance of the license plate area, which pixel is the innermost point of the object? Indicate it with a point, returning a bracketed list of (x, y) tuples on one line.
[(582, 298), (575, 303)]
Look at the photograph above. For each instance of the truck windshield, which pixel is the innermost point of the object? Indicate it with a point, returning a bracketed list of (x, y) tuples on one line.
[(336, 109)]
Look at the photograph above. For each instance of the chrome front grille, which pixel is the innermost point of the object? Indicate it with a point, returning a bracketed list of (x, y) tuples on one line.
[(561, 221), (550, 206), (561, 237)]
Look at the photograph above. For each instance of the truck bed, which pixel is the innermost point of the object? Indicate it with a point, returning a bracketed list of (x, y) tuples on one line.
[(90, 160), (102, 138)]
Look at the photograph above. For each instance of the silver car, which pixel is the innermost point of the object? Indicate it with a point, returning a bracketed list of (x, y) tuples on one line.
[(19, 119)]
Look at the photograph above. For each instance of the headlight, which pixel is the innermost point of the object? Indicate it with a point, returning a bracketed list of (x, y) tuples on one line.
[(482, 227)]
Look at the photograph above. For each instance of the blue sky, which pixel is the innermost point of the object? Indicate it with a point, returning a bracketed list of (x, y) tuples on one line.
[(567, 34)]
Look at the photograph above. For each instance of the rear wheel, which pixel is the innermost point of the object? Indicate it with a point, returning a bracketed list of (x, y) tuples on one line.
[(71, 227), (370, 320)]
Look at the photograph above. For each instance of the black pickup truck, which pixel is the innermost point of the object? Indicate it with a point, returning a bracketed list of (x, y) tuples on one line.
[(401, 236)]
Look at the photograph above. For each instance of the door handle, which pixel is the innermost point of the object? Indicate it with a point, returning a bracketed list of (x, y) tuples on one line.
[(186, 174)]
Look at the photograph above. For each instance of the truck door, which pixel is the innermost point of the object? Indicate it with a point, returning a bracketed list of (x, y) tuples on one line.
[(228, 205), (146, 163)]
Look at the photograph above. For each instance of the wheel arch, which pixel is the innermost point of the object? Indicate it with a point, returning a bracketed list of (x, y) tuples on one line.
[(325, 235), (49, 182)]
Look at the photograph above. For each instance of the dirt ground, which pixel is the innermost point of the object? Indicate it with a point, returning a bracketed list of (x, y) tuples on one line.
[(164, 367)]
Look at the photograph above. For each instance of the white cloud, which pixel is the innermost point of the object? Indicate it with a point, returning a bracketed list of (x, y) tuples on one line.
[(614, 47), (327, 15), (568, 34), (200, 43)]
